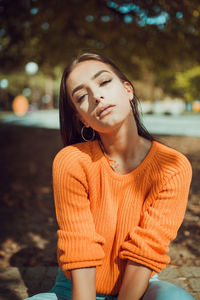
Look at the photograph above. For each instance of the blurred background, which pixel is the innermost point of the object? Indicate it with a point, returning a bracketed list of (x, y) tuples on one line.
[(155, 43)]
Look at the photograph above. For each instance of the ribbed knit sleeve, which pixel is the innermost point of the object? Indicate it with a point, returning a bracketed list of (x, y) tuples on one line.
[(162, 214), (79, 245)]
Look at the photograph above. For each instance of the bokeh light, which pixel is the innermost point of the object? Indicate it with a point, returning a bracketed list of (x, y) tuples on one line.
[(31, 68), (26, 92), (20, 105), (4, 83)]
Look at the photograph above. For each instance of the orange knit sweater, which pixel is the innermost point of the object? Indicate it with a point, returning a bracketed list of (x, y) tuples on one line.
[(105, 218)]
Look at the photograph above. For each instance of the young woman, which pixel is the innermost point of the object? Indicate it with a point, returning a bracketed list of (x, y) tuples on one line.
[(120, 195)]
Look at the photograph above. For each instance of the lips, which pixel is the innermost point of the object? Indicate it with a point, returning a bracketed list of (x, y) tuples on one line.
[(102, 109)]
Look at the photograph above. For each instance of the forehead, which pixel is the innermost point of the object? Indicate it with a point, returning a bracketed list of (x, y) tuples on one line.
[(85, 70)]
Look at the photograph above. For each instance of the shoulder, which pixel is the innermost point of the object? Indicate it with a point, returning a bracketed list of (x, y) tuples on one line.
[(171, 161), (74, 156)]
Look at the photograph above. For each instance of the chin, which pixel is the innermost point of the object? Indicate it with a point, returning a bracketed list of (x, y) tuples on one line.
[(109, 127)]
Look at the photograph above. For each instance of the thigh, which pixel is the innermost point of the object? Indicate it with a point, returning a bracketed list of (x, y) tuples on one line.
[(46, 296), (163, 290)]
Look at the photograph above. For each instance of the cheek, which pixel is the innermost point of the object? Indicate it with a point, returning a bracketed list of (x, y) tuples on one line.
[(122, 99), (83, 111), (83, 107), (119, 91)]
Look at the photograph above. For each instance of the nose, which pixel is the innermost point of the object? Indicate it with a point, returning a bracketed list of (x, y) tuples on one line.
[(96, 94), (98, 99)]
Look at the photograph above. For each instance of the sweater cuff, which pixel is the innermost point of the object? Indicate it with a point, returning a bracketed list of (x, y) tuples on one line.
[(78, 251), (78, 265), (154, 265)]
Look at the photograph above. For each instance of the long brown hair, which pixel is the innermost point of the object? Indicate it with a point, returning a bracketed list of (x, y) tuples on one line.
[(70, 126)]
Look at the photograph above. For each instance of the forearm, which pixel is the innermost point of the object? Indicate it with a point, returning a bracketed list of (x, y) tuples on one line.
[(135, 281), (84, 283)]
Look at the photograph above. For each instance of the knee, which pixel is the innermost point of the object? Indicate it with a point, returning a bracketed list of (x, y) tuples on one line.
[(163, 290), (174, 292), (43, 296)]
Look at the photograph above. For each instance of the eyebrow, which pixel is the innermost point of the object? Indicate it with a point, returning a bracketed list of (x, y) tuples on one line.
[(93, 77)]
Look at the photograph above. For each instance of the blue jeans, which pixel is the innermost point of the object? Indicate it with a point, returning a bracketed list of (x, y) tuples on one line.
[(157, 290)]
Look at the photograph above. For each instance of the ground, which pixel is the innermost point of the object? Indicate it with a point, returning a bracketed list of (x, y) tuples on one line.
[(28, 224)]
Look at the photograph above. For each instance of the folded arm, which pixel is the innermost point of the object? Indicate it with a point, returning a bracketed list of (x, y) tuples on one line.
[(147, 244)]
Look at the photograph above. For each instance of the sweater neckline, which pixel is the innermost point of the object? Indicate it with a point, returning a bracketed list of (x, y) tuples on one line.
[(134, 172)]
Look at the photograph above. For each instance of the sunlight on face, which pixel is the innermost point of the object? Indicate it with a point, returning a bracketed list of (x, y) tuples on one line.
[(93, 85)]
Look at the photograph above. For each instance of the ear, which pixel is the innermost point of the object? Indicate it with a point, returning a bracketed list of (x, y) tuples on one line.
[(82, 120), (129, 89)]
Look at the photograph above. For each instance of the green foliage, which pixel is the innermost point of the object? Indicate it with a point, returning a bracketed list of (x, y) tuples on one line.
[(18, 81), (189, 83), (142, 37), (50, 32)]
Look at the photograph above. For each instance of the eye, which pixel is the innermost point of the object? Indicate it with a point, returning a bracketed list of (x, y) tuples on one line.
[(105, 82), (80, 98)]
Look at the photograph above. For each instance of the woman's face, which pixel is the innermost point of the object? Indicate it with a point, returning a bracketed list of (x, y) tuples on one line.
[(92, 86)]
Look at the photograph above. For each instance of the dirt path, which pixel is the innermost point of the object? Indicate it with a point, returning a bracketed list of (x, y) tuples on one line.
[(28, 224)]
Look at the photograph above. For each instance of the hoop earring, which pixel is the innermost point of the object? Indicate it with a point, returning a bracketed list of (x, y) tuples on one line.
[(85, 139)]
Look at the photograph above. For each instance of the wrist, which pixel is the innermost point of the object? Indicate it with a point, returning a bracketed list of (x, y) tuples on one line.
[(84, 284)]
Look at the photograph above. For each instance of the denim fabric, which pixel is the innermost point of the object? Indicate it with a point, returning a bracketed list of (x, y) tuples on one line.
[(157, 290)]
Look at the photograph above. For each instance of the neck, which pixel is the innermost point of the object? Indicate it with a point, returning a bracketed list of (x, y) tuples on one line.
[(123, 142)]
